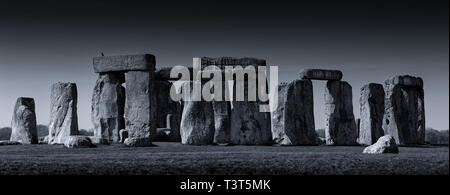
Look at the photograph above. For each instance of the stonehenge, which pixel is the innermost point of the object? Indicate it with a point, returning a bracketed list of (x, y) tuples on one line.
[(372, 111), (293, 120), (132, 104), (23, 124), (404, 116), (63, 112)]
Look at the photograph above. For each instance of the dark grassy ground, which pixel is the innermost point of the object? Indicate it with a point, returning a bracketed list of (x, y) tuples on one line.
[(174, 158)]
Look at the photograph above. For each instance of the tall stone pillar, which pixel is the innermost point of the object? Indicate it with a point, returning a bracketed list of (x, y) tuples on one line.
[(108, 101), (63, 112), (23, 124), (165, 107), (404, 117), (293, 120), (371, 110), (340, 123), (197, 122)]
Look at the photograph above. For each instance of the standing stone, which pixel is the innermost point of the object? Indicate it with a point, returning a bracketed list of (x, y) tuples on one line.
[(63, 112), (108, 101), (197, 121), (140, 108), (372, 111), (293, 120), (248, 126), (340, 126), (404, 117), (222, 118), (165, 107), (23, 124)]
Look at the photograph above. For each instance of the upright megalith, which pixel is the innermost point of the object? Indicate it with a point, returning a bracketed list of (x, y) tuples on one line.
[(404, 116), (63, 112), (372, 111), (23, 124), (168, 112), (140, 108), (293, 119), (108, 102), (321, 74), (248, 126), (340, 126), (197, 121)]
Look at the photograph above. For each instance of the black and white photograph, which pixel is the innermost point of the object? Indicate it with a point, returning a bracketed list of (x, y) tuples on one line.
[(225, 95)]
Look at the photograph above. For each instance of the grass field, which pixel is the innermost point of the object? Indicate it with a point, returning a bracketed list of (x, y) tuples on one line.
[(173, 158)]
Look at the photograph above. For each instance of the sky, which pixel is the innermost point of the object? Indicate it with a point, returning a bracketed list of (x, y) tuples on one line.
[(49, 41)]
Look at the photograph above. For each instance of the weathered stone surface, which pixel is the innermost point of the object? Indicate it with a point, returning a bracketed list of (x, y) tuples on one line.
[(9, 143), (404, 117), (108, 102), (293, 120), (143, 62), (385, 144), (78, 142), (23, 124), (63, 112), (123, 134), (372, 111), (405, 80), (340, 127), (222, 121), (321, 74), (168, 112), (197, 121), (140, 108)]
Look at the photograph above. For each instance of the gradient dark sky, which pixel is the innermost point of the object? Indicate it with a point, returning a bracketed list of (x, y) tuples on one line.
[(49, 41)]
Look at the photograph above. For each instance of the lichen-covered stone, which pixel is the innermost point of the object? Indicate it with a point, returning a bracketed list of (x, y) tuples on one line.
[(372, 111), (340, 127), (23, 124), (293, 120), (63, 112)]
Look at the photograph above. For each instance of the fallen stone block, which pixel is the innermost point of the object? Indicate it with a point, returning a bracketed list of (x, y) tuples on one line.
[(385, 144), (78, 142)]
